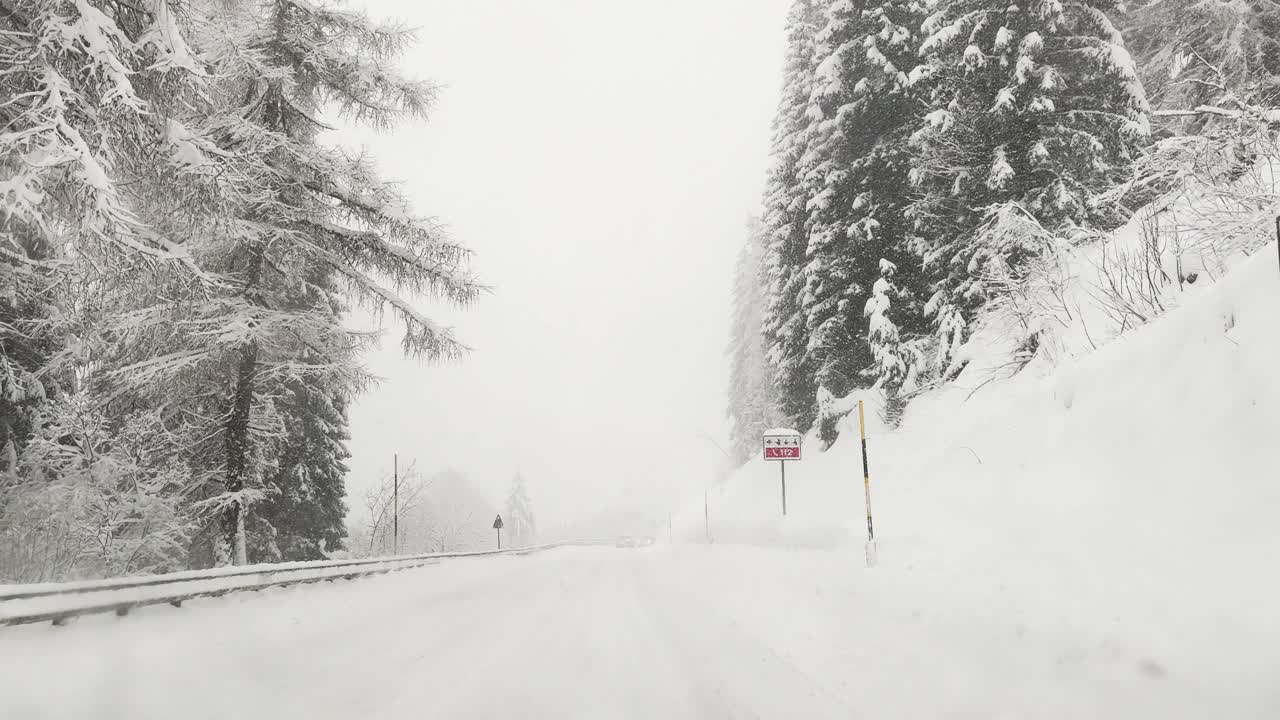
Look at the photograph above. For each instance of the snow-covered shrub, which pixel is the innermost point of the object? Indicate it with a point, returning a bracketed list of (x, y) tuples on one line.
[(92, 498)]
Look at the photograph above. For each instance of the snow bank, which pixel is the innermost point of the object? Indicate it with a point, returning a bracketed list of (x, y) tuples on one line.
[(1123, 501), (314, 652)]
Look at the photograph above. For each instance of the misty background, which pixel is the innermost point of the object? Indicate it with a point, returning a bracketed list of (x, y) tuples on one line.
[(602, 167)]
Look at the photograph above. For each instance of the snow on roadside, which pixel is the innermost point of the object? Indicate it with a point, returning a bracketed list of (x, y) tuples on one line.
[(1120, 505), (44, 598), (339, 650)]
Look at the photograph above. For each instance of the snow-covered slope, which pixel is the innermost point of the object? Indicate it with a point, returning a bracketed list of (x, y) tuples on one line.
[(1126, 498)]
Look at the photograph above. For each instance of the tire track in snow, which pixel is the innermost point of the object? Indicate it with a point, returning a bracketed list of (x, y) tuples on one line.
[(754, 678)]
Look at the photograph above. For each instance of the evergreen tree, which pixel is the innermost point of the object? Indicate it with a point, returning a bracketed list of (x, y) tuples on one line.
[(24, 351), (1034, 110), (752, 407), (87, 88), (303, 516), (785, 220), (200, 299), (90, 220), (863, 108), (897, 360), (300, 225), (518, 522)]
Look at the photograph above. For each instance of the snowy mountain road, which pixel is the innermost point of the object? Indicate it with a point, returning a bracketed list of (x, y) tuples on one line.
[(590, 633), (660, 632)]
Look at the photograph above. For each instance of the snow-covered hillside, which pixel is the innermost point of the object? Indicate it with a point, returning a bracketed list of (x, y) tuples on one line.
[(1124, 498)]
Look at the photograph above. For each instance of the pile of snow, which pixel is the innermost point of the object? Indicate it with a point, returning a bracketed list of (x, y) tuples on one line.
[(1125, 498)]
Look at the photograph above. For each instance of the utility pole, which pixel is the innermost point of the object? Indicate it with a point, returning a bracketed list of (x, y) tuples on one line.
[(395, 515), (723, 475)]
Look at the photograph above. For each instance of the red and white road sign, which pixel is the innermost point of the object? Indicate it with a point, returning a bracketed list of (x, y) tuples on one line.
[(782, 445), (782, 453)]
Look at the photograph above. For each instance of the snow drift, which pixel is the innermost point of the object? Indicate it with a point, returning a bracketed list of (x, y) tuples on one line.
[(1124, 498)]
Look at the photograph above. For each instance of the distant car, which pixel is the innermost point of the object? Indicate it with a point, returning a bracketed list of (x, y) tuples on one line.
[(646, 541), (625, 542)]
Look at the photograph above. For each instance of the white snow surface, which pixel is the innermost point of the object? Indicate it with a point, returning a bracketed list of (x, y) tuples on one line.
[(689, 632), (686, 632), (1091, 540), (781, 432)]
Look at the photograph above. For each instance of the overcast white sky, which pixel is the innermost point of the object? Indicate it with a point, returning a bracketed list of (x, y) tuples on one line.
[(601, 158)]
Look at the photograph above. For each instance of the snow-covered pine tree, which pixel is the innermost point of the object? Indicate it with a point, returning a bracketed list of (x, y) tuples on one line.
[(83, 83), (863, 108), (304, 513), (784, 220), (24, 352), (291, 228), (86, 85), (90, 219), (752, 406), (897, 359), (518, 521), (316, 211), (1035, 108)]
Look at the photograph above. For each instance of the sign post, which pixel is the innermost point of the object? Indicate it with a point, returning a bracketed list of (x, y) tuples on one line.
[(497, 525), (782, 444)]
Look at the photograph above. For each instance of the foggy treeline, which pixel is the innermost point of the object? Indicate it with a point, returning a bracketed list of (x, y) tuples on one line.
[(931, 162), (444, 513)]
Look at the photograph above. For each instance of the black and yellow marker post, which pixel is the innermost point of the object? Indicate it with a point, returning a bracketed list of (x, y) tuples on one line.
[(1278, 233), (866, 488)]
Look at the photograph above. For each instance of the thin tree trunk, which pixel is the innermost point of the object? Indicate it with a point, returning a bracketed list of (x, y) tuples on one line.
[(230, 545)]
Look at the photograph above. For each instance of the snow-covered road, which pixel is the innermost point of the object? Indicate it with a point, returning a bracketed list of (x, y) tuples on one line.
[(577, 632), (685, 632)]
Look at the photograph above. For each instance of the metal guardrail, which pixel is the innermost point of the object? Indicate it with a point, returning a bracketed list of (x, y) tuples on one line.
[(60, 602)]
